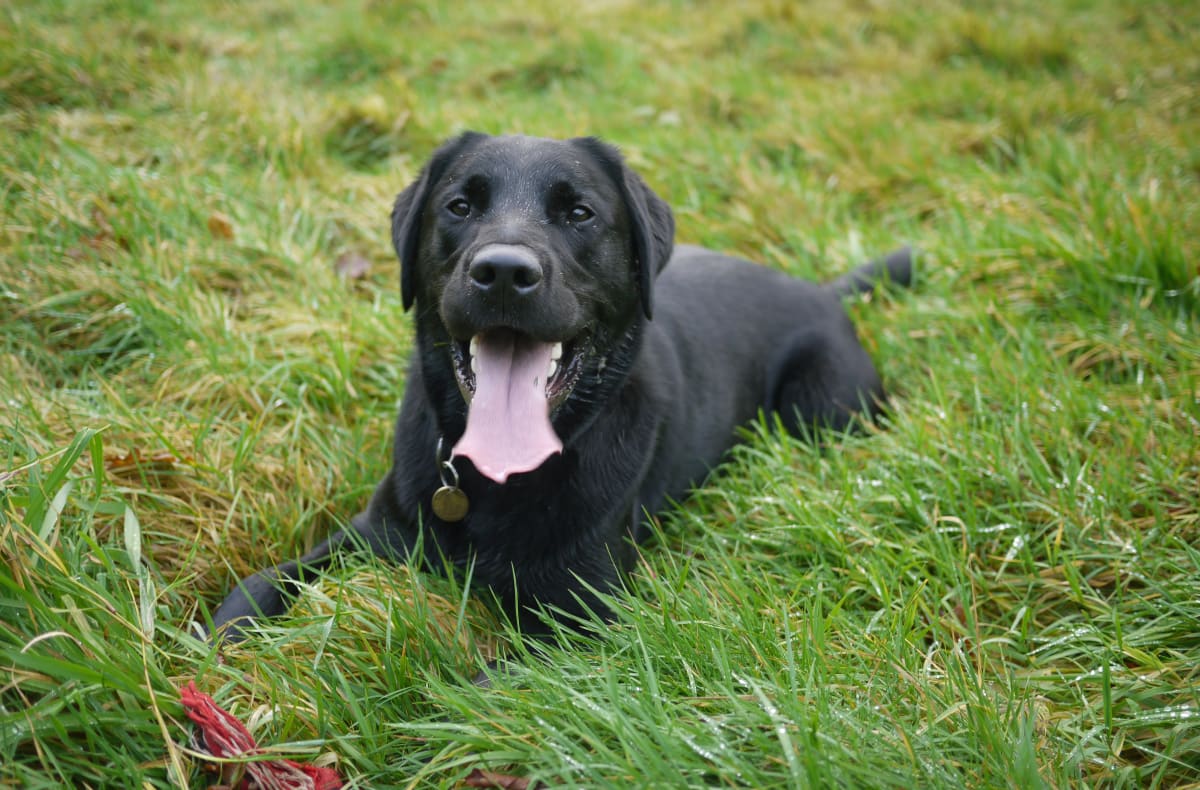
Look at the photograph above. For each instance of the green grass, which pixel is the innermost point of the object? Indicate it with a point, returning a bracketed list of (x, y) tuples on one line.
[(1001, 588)]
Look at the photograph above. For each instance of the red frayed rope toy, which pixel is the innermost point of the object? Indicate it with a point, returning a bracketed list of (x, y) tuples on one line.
[(224, 736)]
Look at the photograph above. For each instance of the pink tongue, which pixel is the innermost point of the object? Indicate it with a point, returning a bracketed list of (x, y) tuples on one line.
[(508, 421)]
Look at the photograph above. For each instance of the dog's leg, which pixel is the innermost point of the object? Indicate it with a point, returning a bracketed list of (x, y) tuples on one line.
[(819, 379), (822, 376), (269, 592)]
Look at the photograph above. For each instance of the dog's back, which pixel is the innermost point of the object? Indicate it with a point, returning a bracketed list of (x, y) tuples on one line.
[(732, 338)]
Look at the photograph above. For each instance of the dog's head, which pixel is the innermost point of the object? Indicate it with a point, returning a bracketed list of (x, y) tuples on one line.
[(529, 261)]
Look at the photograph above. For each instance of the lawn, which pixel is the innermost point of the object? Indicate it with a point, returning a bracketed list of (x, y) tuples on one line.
[(202, 348)]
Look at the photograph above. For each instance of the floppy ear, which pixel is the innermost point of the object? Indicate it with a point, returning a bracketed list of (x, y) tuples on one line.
[(650, 220), (410, 206)]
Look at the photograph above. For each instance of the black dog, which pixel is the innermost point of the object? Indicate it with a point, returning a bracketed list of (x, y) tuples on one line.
[(546, 413)]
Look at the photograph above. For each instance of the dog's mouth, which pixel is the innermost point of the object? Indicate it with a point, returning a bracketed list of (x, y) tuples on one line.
[(512, 383), (562, 371)]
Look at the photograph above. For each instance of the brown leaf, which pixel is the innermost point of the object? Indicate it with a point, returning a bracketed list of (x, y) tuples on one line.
[(135, 459), (220, 226), (352, 266), (104, 229), (100, 240), (495, 781)]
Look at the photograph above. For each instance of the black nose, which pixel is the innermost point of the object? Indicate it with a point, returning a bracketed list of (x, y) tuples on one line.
[(505, 268)]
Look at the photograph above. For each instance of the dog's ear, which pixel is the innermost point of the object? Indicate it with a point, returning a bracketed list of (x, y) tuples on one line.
[(409, 207), (653, 234), (651, 221)]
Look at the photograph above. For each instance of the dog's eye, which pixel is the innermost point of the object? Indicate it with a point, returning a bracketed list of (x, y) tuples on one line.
[(459, 207), (580, 214)]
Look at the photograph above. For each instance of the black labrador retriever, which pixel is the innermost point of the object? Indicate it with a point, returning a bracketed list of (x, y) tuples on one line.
[(566, 382)]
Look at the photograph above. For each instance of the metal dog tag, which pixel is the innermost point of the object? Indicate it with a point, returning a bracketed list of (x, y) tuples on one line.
[(450, 503)]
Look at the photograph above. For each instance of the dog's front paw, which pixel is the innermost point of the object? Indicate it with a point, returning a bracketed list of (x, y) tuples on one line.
[(494, 670), (258, 595)]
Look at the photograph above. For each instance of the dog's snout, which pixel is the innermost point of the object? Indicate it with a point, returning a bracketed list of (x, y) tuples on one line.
[(507, 268)]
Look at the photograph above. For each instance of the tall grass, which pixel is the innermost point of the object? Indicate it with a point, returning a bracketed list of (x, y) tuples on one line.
[(1001, 587)]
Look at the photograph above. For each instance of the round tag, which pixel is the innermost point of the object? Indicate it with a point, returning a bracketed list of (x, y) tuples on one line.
[(450, 504)]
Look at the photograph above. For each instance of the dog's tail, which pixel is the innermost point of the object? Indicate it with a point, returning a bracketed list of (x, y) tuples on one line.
[(895, 268)]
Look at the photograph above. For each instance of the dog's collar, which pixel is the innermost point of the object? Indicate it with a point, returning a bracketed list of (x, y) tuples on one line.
[(450, 502)]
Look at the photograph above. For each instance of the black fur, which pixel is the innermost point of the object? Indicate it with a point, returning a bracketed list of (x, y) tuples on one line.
[(657, 403)]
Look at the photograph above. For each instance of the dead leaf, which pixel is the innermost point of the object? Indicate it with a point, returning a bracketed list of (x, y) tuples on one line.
[(100, 240), (104, 229), (352, 266), (495, 781), (220, 226), (135, 459)]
